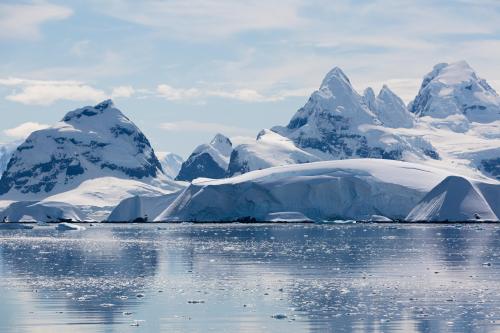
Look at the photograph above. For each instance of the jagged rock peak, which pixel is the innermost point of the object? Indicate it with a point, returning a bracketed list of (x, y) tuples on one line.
[(221, 142)]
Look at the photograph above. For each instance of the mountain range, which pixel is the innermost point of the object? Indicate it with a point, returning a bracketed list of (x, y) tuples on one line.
[(96, 157)]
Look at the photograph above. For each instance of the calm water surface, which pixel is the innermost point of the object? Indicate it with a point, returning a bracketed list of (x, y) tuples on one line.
[(235, 278)]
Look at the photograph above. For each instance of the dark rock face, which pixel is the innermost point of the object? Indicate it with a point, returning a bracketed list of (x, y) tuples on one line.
[(492, 167), (200, 164), (236, 166), (339, 141), (207, 160)]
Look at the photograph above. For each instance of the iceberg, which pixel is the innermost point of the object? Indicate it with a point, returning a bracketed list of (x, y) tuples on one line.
[(344, 189), (457, 199)]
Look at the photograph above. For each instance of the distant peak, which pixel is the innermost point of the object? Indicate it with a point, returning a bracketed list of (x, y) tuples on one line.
[(107, 104), (221, 139), (90, 111), (439, 66), (336, 74), (385, 90), (455, 73), (369, 93)]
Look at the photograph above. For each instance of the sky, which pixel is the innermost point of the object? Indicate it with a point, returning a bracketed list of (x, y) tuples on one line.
[(185, 70)]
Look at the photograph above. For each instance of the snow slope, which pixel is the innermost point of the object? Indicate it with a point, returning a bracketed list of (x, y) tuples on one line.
[(457, 199), (343, 189), (207, 160), (171, 163), (269, 149)]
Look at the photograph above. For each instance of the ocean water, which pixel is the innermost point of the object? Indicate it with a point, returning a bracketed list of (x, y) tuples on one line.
[(251, 278)]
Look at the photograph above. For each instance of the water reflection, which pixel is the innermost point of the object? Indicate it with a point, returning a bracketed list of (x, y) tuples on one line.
[(227, 278)]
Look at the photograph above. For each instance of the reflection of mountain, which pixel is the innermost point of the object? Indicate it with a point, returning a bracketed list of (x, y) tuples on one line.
[(358, 276), (90, 270), (329, 278), (429, 277)]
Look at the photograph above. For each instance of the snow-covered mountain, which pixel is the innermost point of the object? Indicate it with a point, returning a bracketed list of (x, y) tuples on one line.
[(208, 160), (338, 123), (87, 143), (344, 189), (460, 114), (93, 158), (171, 163), (456, 90)]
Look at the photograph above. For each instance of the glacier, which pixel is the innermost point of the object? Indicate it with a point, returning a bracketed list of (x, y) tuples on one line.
[(344, 189)]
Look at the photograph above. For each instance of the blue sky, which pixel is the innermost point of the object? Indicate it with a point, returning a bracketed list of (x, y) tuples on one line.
[(184, 70)]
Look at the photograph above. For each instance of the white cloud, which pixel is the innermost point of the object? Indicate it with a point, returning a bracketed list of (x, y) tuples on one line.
[(200, 19), (206, 127), (122, 91), (24, 20), (170, 93), (39, 92), (46, 92), (245, 95), (23, 130)]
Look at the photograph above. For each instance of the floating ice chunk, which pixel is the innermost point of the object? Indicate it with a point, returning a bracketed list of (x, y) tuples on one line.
[(287, 217), (341, 221), (65, 226), (379, 218), (279, 316)]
